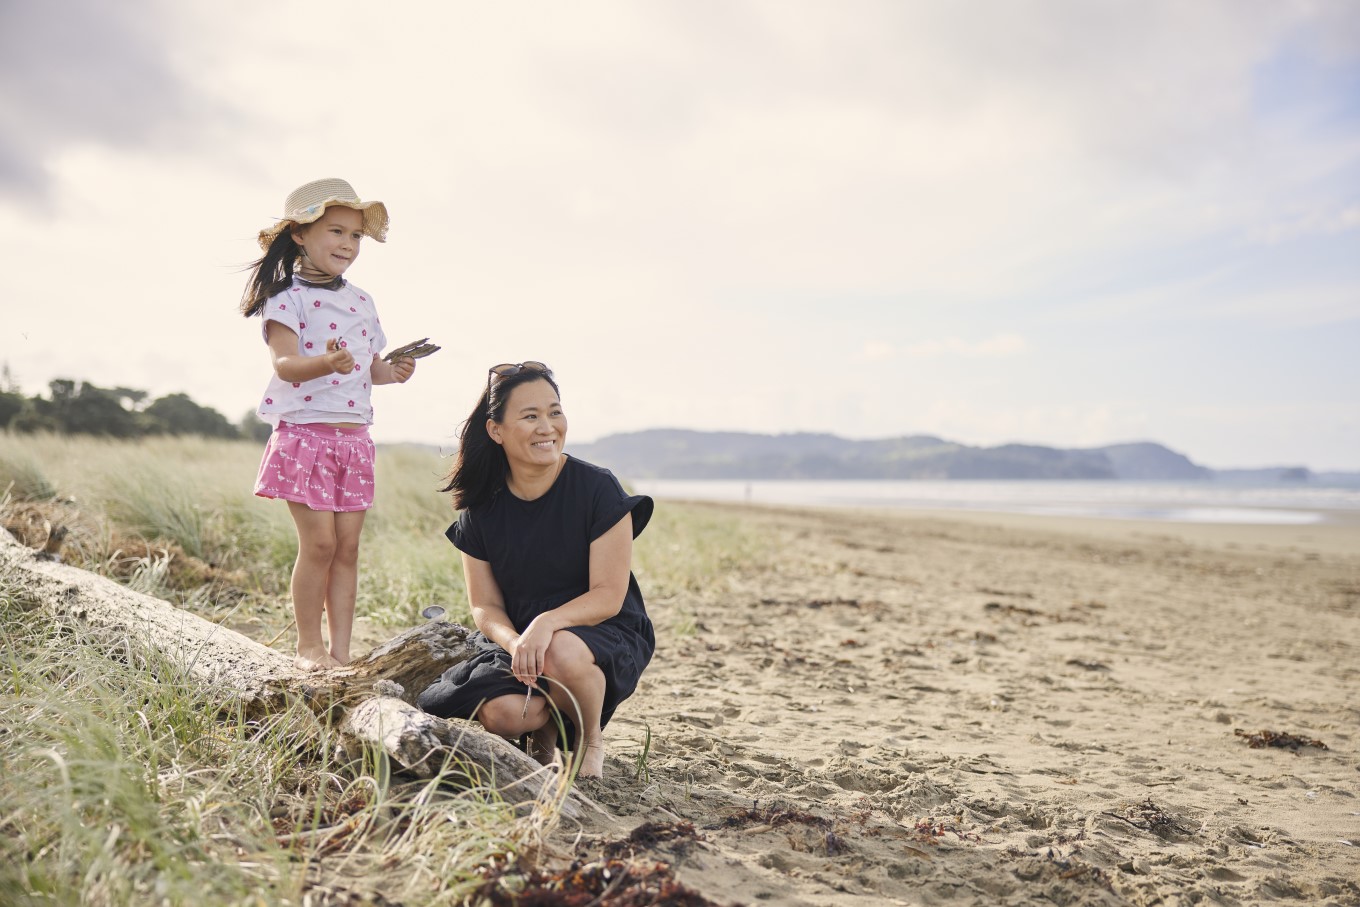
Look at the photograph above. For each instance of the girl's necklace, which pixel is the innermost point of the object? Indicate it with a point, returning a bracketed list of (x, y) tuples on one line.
[(314, 276)]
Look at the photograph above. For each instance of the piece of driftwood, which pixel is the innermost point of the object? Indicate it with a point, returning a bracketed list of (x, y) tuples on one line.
[(372, 696), (252, 675), (412, 660), (423, 743)]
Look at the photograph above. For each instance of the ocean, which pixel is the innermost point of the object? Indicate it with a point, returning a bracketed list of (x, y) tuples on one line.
[(1194, 502)]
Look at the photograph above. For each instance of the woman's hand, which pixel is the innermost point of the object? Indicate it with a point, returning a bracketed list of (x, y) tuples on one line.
[(529, 650)]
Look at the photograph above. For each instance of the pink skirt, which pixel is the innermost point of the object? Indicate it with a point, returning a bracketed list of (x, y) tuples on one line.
[(324, 467)]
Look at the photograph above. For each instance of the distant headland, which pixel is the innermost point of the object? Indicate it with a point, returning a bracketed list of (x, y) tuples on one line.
[(671, 453)]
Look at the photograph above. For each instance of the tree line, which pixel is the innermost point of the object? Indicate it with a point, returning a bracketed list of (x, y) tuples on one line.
[(80, 407)]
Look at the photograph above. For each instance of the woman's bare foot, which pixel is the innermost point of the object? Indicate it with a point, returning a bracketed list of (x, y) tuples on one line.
[(592, 761), (317, 659)]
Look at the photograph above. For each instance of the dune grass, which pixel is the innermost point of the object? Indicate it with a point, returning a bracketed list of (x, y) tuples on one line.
[(190, 499), (122, 782)]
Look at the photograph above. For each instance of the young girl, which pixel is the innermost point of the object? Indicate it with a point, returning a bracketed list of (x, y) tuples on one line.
[(325, 339)]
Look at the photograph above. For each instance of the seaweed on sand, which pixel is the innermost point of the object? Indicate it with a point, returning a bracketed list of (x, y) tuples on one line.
[(1148, 816), (1292, 742), (651, 834), (604, 883)]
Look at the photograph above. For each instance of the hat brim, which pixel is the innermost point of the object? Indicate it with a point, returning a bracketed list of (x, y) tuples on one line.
[(375, 219)]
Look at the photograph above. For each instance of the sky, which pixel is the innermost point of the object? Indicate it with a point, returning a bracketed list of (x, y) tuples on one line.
[(1061, 222)]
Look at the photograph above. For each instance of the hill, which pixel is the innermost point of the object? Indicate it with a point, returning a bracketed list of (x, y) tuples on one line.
[(686, 454)]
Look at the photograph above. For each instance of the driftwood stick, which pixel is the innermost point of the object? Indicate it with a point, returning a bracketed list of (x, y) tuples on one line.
[(261, 680), (424, 745)]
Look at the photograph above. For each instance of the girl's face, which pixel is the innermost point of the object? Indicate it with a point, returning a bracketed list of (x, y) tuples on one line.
[(332, 240), (534, 427)]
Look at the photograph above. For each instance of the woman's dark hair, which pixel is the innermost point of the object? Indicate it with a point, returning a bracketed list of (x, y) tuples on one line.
[(273, 273), (480, 465)]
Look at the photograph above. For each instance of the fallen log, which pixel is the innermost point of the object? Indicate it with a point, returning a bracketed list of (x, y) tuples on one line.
[(408, 663), (255, 677), (371, 699), (426, 745)]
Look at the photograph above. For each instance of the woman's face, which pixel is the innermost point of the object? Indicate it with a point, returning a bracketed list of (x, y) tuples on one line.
[(533, 429)]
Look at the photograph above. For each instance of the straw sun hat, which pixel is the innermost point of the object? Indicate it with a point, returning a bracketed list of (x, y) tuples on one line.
[(308, 202)]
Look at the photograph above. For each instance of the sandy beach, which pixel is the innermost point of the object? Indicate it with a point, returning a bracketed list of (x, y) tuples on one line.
[(929, 708)]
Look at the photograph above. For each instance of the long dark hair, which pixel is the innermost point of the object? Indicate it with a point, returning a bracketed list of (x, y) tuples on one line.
[(273, 273), (480, 465)]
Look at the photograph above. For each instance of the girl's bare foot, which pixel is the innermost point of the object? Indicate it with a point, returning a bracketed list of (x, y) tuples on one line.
[(317, 659)]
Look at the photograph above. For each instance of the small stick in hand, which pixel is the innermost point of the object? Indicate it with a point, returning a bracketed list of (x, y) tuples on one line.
[(418, 349)]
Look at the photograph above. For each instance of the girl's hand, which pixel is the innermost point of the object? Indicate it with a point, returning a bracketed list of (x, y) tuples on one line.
[(338, 358), (529, 652), (402, 369)]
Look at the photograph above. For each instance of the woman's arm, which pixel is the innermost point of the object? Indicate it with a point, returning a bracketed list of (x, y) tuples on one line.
[(611, 561), (487, 604)]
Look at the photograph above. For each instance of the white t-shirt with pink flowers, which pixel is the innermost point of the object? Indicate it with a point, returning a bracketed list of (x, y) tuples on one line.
[(317, 314)]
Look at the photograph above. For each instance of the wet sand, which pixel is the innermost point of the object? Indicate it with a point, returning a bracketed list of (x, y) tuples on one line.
[(966, 708)]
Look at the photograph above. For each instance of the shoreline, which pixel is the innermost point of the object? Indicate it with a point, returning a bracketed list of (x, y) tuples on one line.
[(1338, 534), (1335, 531), (1157, 502)]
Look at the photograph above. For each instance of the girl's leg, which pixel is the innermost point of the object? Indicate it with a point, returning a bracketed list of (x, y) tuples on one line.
[(311, 573), (344, 583), (570, 662)]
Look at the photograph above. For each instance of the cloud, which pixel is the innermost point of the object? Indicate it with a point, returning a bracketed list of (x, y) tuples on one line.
[(877, 351), (986, 422), (999, 345), (1324, 220), (83, 72), (790, 213)]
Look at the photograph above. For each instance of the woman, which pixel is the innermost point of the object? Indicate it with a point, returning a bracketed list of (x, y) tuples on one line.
[(547, 544)]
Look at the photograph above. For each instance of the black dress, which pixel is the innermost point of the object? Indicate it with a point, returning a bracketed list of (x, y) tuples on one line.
[(539, 552)]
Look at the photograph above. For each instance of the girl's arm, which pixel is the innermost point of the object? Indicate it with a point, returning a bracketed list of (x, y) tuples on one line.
[(611, 561), (291, 365), (397, 372)]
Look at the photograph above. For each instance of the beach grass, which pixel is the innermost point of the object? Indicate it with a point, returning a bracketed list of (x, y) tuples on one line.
[(148, 510), (124, 782)]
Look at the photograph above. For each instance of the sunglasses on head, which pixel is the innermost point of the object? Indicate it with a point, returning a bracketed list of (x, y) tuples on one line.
[(507, 369)]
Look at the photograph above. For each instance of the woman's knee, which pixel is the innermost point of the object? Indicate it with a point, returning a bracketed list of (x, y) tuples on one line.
[(571, 661), (566, 653), (499, 717)]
